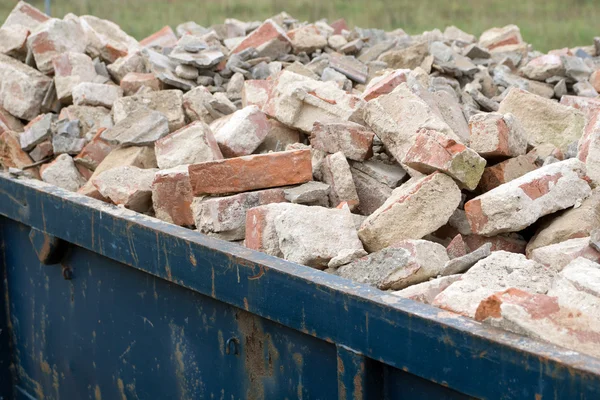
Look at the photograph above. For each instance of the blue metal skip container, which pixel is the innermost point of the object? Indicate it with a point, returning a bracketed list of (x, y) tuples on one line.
[(102, 303)]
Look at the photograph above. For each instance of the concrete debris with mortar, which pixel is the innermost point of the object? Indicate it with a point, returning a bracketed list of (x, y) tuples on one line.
[(457, 171)]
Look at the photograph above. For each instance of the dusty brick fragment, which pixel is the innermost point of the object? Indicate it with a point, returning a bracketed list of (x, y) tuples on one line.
[(506, 171), (172, 196), (242, 132), (425, 292), (353, 140), (22, 88), (71, 69), (584, 104), (295, 232), (11, 154), (123, 66), (584, 275), (298, 101), (433, 151), (385, 84), (409, 57), (588, 149), (134, 81), (91, 119), (94, 152), (544, 317), (494, 134), (260, 171), (142, 127), (278, 138), (106, 39), (397, 117), (41, 151), (371, 193), (53, 38), (142, 157), (497, 37), (457, 247), (520, 202), (335, 171), (490, 275), (63, 173), (459, 265), (261, 37), (306, 39), (225, 217), (339, 25), (165, 37), (573, 223), (128, 186), (309, 193), (389, 173), (191, 144), (9, 123), (558, 255), (542, 151), (403, 264), (96, 94), (595, 80), (37, 131), (544, 67), (168, 102), (512, 244), (25, 15), (13, 41), (414, 210), (543, 120), (256, 92)]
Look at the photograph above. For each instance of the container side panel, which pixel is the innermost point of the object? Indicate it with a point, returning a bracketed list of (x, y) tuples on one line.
[(115, 332)]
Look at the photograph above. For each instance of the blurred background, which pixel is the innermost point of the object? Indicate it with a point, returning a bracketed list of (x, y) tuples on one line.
[(547, 24)]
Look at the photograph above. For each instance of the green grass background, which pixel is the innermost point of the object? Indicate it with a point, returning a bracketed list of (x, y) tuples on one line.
[(547, 24)]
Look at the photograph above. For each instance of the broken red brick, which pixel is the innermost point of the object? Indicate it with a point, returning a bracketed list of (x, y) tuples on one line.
[(354, 140), (11, 154), (268, 31), (260, 171), (505, 171), (133, 81), (385, 84), (457, 247), (434, 151), (172, 196), (163, 38), (94, 152)]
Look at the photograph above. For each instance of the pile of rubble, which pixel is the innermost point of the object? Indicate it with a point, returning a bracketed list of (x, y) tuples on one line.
[(453, 170)]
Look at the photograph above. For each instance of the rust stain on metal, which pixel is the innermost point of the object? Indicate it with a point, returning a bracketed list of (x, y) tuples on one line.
[(186, 368), (55, 381), (358, 382), (221, 342), (212, 277), (121, 388), (261, 272), (254, 344), (299, 360), (45, 367), (97, 393), (167, 266), (340, 373), (132, 244)]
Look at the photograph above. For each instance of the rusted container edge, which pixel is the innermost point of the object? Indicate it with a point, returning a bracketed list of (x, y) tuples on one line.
[(451, 350)]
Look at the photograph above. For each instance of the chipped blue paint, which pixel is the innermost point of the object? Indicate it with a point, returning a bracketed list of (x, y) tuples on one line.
[(294, 320)]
